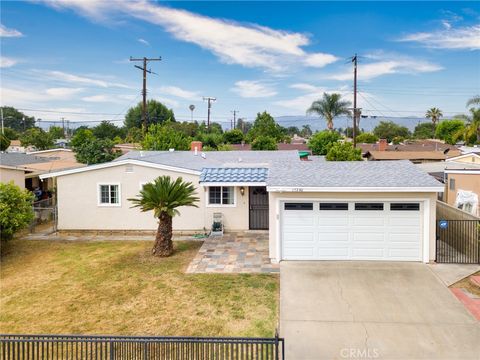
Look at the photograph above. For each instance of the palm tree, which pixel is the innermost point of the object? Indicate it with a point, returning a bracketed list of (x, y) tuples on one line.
[(474, 101), (330, 106), (472, 127), (164, 196), (434, 114)]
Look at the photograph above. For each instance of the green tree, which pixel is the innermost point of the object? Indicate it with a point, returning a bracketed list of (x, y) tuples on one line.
[(17, 120), (398, 139), (16, 210), (292, 130), (243, 125), (95, 151), (450, 131), (388, 130), (321, 141), (157, 113), (472, 130), (306, 131), (38, 138), (263, 142), (80, 137), (343, 152), (424, 130), (212, 140), (11, 134), (134, 135), (164, 196), (234, 136), (56, 132), (107, 130), (164, 137), (434, 114), (329, 107), (265, 125), (473, 101), (4, 142), (367, 138)]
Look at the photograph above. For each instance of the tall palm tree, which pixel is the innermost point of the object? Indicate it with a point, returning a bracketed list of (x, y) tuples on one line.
[(330, 106), (474, 101), (164, 196), (434, 114), (472, 127)]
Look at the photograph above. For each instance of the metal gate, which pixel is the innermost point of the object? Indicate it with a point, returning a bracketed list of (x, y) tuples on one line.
[(458, 241), (45, 217), (258, 205)]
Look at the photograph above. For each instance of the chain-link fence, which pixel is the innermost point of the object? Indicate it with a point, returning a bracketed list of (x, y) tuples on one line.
[(45, 219)]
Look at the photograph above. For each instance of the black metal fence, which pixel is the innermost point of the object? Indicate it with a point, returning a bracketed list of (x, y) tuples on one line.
[(458, 241), (46, 347)]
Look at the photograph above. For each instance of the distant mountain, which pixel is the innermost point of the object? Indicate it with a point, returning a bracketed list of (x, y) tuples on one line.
[(366, 123)]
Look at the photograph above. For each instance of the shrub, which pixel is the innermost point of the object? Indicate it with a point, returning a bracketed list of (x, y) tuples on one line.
[(388, 130), (343, 152), (425, 130), (164, 137), (16, 210), (367, 138), (321, 141), (96, 151), (264, 143), (4, 142), (398, 139), (450, 131), (234, 136)]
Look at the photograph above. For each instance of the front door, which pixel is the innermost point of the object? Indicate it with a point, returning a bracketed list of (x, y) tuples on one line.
[(258, 198)]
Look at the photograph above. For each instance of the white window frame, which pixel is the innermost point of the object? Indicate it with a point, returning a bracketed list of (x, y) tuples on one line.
[(99, 194), (207, 197)]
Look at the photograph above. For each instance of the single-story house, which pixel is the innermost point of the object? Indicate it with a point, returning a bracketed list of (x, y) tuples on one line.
[(415, 157), (313, 210), (413, 145)]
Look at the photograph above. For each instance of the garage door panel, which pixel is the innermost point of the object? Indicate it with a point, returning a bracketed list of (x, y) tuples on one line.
[(333, 237), (373, 220), (298, 219), (352, 234), (332, 221), (366, 237)]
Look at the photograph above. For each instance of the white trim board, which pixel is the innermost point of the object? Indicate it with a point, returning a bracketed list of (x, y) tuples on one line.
[(353, 189), (119, 163), (463, 156), (466, 171)]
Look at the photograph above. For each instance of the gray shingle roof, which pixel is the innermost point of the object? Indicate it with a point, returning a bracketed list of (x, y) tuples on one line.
[(188, 160), (234, 175), (18, 159), (350, 174)]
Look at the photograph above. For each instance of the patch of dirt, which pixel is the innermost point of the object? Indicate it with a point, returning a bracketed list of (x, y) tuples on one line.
[(468, 285)]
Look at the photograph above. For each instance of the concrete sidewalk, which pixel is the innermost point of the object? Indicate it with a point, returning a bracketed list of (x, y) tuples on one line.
[(381, 310)]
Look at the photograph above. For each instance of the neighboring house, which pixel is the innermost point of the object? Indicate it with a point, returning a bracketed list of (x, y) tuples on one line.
[(462, 180), (25, 169), (412, 145), (313, 210), (415, 157), (470, 149), (125, 148), (16, 146), (280, 146)]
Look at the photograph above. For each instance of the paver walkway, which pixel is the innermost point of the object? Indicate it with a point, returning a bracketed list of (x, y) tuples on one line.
[(241, 252)]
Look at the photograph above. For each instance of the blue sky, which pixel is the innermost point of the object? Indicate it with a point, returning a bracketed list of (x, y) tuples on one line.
[(71, 57)]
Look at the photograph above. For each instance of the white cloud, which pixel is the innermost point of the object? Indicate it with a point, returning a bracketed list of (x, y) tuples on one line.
[(144, 42), (304, 87), (462, 38), (63, 92), (249, 45), (110, 98), (320, 60), (385, 64), (253, 89), (181, 93), (6, 32), (6, 62), (98, 98), (72, 78)]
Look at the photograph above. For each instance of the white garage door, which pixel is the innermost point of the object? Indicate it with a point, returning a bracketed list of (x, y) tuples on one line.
[(316, 230)]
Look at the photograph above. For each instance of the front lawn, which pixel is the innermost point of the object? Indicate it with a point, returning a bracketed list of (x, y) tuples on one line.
[(117, 287)]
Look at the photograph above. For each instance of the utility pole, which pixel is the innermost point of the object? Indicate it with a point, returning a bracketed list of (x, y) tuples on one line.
[(354, 60), (235, 112), (209, 100), (1, 115), (63, 125), (145, 61)]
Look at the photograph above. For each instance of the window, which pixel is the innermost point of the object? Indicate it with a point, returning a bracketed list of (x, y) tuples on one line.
[(368, 206), (109, 194), (333, 206), (452, 184), (221, 195), (405, 206), (298, 206)]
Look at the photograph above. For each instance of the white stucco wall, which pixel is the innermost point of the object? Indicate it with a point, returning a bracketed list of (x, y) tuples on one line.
[(428, 198), (78, 207)]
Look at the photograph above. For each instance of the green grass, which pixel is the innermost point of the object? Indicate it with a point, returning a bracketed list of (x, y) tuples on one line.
[(117, 287)]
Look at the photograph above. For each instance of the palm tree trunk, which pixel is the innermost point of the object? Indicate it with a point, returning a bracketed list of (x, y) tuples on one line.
[(163, 241), (330, 125)]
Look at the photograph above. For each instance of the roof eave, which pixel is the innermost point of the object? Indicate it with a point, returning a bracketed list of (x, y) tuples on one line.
[(298, 189)]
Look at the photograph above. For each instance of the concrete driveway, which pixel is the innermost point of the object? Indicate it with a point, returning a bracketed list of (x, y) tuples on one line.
[(372, 310)]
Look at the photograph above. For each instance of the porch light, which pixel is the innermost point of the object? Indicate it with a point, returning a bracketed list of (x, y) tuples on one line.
[(242, 190)]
